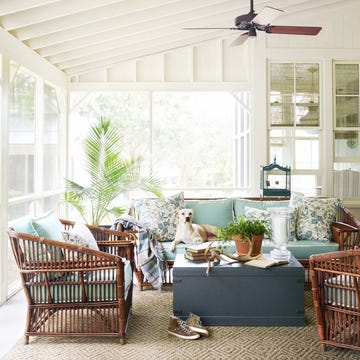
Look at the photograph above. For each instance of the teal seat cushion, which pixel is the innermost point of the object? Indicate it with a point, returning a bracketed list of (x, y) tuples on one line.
[(211, 212), (48, 226), (170, 255), (72, 289), (303, 249)]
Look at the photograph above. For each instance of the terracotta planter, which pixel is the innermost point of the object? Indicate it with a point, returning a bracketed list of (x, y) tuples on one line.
[(243, 247)]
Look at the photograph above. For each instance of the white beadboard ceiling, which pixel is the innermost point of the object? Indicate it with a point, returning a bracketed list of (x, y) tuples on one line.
[(77, 36)]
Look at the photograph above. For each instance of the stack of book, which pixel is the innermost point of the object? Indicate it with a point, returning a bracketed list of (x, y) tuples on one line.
[(196, 252)]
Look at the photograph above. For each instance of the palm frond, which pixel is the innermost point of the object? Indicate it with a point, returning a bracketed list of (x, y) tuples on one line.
[(110, 174)]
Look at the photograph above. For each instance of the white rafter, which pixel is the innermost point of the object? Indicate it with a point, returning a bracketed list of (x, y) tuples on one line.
[(78, 36)]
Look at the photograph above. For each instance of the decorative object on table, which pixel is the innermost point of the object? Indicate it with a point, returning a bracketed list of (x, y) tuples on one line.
[(216, 255), (280, 222), (275, 180), (109, 172), (247, 233), (265, 262)]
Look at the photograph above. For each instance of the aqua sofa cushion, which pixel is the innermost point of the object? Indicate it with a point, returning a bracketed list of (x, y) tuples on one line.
[(241, 204), (303, 249), (211, 212), (170, 255)]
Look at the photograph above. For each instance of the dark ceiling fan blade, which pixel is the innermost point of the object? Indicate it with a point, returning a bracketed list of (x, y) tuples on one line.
[(211, 28), (240, 39), (267, 15), (293, 30)]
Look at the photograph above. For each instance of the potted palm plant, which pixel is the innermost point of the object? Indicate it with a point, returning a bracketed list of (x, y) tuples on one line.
[(110, 173), (247, 233)]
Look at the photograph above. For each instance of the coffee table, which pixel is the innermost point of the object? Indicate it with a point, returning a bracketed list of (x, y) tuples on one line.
[(238, 294)]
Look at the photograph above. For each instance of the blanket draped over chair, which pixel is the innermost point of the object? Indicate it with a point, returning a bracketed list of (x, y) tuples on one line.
[(150, 256)]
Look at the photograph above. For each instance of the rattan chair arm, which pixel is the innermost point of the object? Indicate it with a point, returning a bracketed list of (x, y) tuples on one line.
[(345, 235)]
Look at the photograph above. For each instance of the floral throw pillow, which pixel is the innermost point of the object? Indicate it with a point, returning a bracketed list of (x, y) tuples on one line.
[(314, 218), (159, 215)]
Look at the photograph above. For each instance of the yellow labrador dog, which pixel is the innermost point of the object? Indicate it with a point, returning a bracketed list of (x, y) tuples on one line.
[(189, 233)]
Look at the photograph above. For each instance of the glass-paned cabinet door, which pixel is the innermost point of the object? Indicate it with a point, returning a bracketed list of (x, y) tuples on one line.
[(347, 95), (307, 94), (294, 94), (282, 88), (347, 130), (347, 144)]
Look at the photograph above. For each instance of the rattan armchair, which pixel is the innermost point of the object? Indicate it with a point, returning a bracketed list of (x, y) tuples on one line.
[(335, 279), (76, 291)]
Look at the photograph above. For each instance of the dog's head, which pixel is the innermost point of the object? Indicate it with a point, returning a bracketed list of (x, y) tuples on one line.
[(184, 216)]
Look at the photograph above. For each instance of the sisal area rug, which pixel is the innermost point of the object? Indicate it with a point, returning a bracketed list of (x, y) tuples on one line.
[(148, 339)]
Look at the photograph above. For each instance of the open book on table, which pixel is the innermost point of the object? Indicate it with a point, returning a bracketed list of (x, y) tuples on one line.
[(265, 262)]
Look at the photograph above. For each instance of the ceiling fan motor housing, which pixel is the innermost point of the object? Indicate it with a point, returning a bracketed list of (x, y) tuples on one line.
[(244, 22)]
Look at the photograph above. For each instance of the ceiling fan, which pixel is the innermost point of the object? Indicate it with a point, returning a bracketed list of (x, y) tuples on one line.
[(251, 22)]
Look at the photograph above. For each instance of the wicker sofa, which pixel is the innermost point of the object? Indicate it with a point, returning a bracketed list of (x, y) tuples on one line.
[(73, 290), (343, 233)]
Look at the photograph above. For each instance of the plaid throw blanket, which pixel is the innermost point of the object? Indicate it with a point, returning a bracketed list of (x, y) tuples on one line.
[(150, 257)]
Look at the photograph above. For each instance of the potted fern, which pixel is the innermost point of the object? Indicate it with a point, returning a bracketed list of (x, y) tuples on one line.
[(110, 173), (247, 233)]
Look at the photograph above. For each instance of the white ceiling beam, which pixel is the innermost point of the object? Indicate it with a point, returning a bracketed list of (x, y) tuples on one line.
[(131, 34), (14, 6), (110, 60), (165, 41), (89, 17), (142, 21), (309, 6), (17, 51), (49, 12)]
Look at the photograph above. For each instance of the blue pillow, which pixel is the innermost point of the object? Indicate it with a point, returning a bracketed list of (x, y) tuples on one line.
[(25, 226), (211, 212), (48, 226)]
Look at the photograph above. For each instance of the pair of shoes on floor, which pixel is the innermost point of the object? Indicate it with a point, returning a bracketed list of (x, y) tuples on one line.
[(191, 329)]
